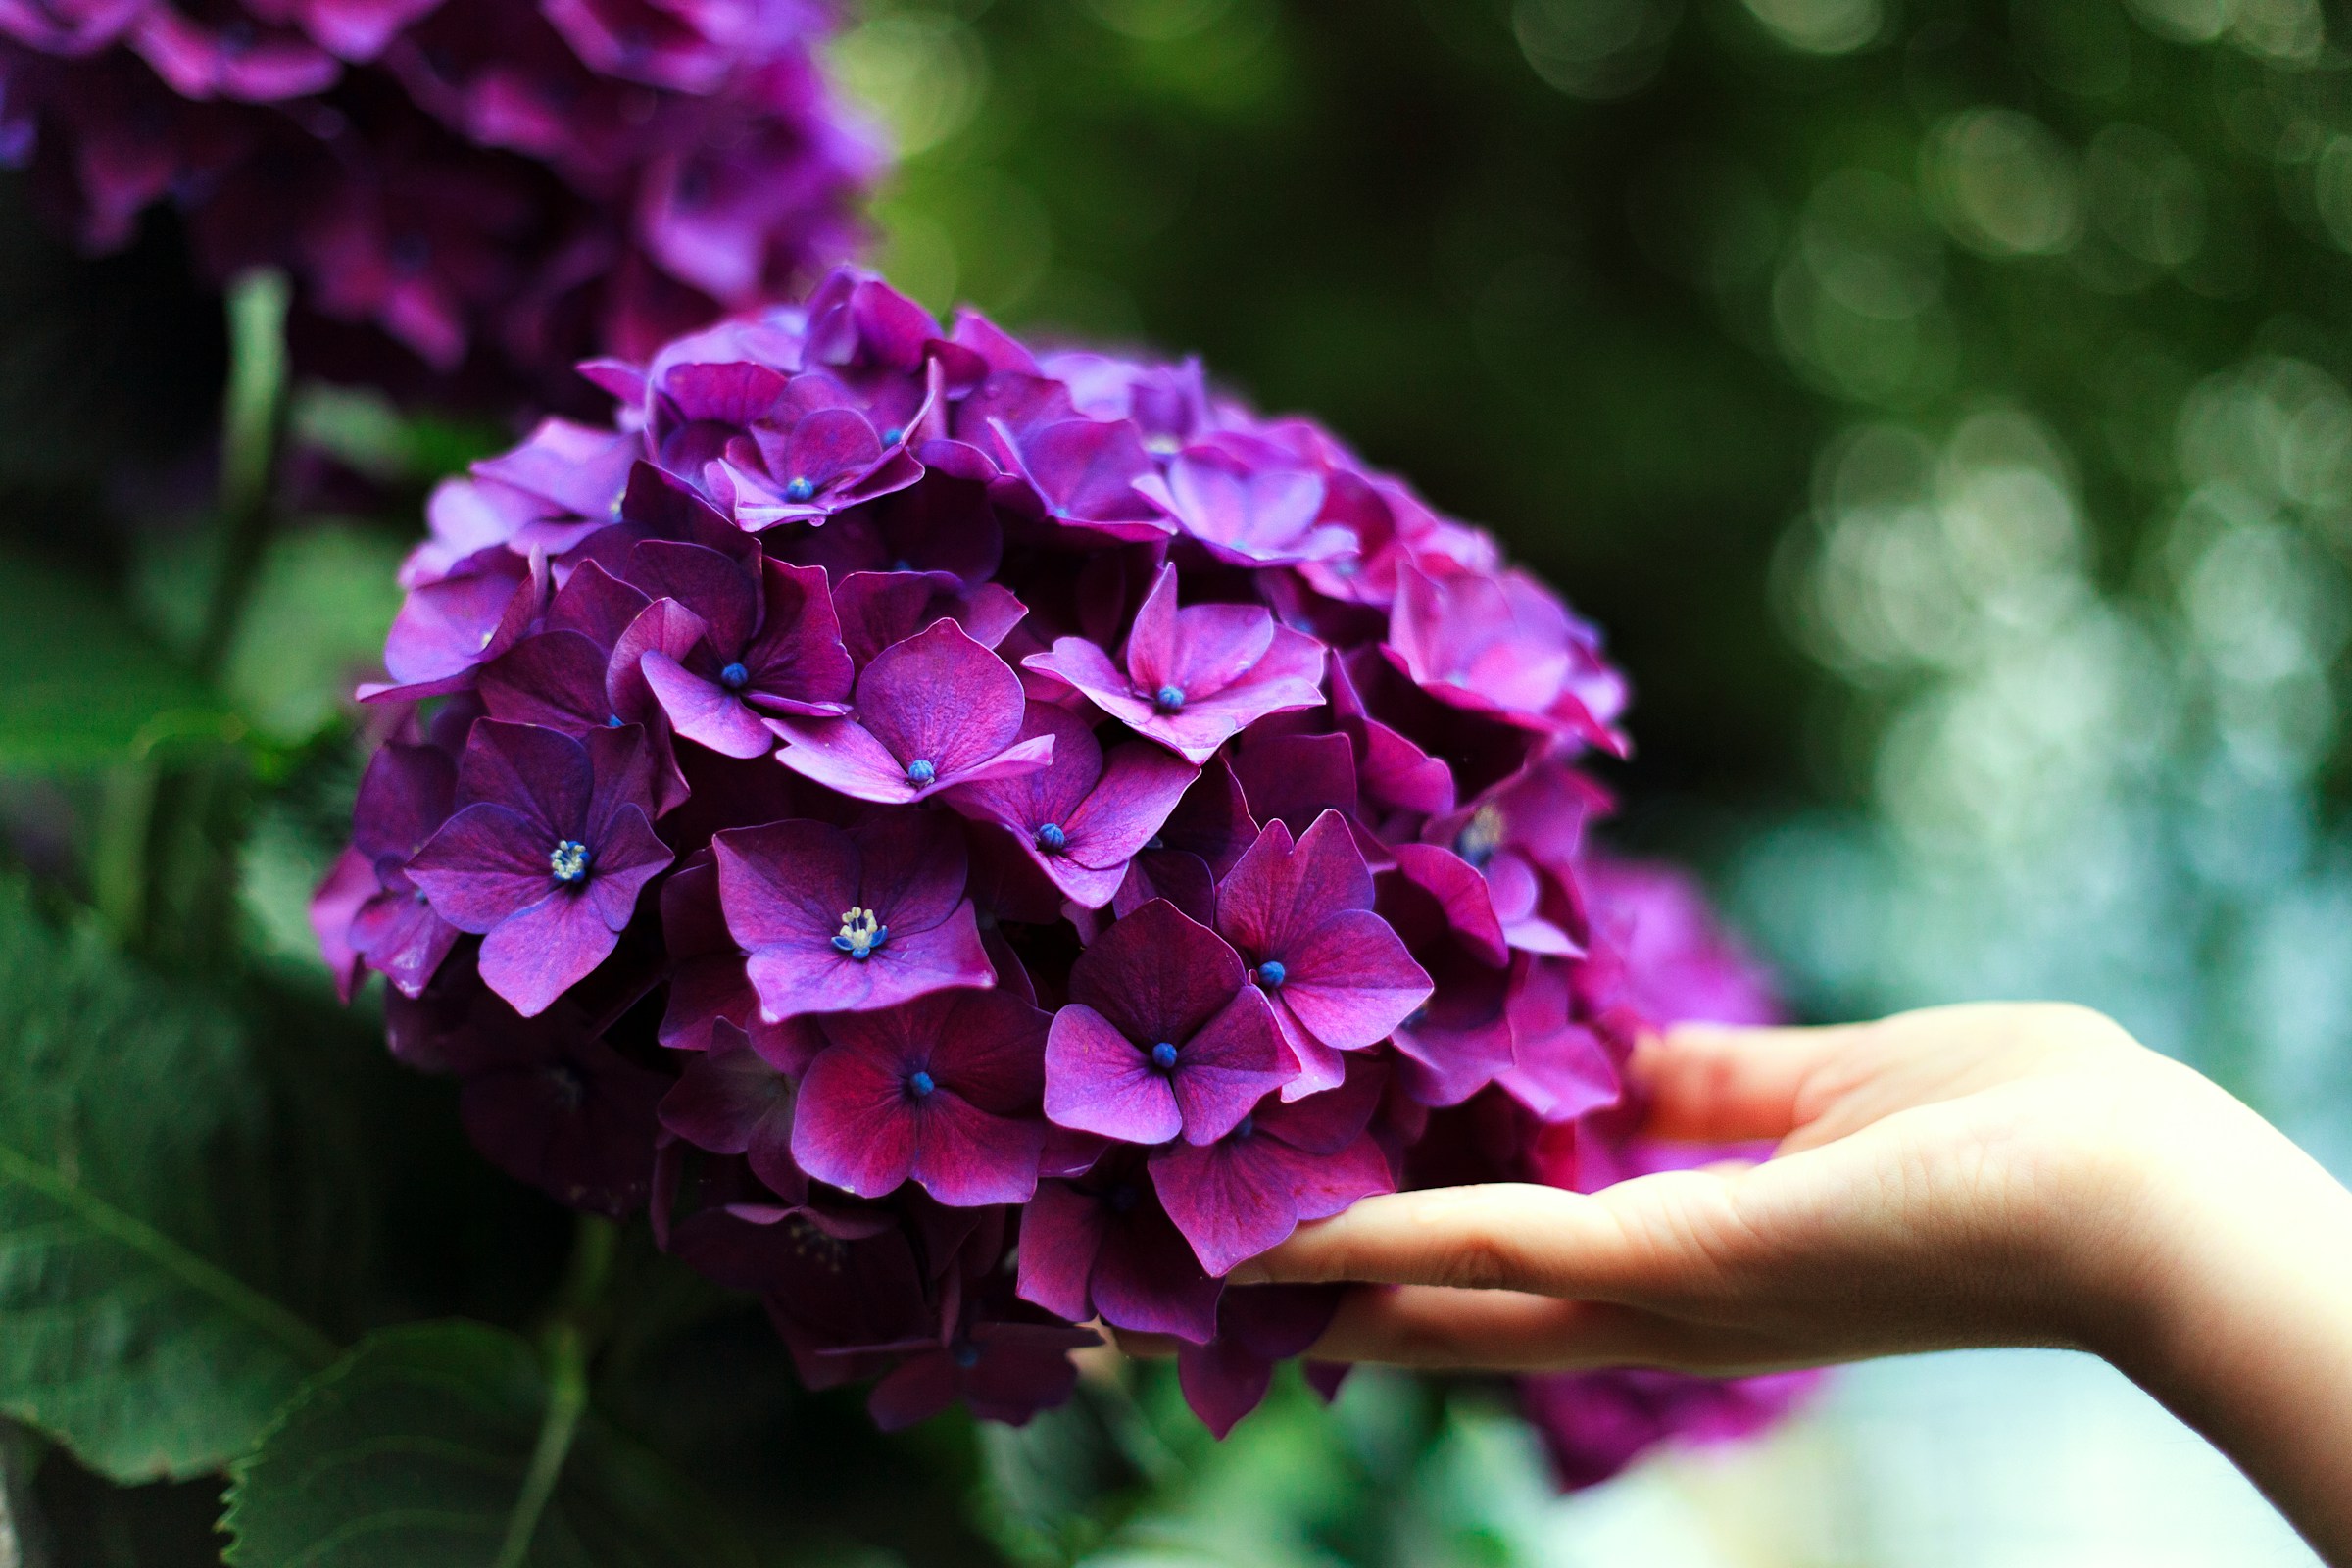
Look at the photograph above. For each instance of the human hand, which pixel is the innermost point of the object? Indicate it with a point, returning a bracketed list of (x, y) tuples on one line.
[(1974, 1175), (1963, 1176)]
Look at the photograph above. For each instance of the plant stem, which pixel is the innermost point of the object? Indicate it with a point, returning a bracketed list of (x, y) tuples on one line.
[(566, 1343), (118, 858), (253, 417)]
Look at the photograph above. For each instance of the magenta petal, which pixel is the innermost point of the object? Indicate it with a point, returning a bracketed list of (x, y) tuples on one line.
[(1215, 644), (967, 1157), (703, 712), (1351, 981), (840, 755), (1157, 975), (1461, 893), (533, 958), (813, 977), (540, 772), (484, 866), (628, 855), (941, 698), (730, 1102), (1224, 1070), (785, 882), (1222, 1382), (1061, 1231), (1279, 892), (713, 586), (911, 868), (1099, 1081), (853, 1126), (1232, 1199), (1138, 790)]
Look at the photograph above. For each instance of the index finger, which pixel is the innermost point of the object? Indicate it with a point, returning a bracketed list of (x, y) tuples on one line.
[(1506, 1236)]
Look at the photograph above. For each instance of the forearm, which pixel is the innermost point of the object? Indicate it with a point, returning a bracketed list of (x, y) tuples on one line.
[(2250, 1335)]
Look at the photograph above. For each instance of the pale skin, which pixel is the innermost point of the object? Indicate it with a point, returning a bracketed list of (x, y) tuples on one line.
[(1987, 1175)]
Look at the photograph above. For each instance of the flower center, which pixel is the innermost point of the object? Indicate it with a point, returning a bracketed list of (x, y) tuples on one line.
[(799, 490), (1052, 839), (862, 933), (735, 677), (613, 722), (1163, 1056), (965, 1355), (1244, 1127), (1415, 1018), (1271, 973), (920, 772), (1168, 699), (1479, 837), (919, 1084), (893, 436), (568, 862)]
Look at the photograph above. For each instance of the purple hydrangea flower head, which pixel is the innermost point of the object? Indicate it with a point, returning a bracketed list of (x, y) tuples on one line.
[(1193, 676), (941, 1091), (930, 712), (844, 921), (1161, 1037), (535, 180), (985, 841), (551, 844)]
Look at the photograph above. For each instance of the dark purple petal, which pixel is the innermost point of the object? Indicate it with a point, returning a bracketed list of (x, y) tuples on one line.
[(1157, 975)]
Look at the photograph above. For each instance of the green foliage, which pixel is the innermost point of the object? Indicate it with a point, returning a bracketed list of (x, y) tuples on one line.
[(450, 1443), (81, 684), (132, 1136)]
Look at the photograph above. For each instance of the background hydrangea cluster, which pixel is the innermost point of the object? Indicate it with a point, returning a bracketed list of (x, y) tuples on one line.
[(986, 841), (548, 177)]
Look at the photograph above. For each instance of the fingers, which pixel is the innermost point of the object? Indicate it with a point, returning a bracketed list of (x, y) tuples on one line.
[(1716, 1082), (1438, 1328), (1661, 1236)]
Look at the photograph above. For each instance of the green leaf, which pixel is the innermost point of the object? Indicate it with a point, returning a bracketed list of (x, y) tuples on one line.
[(80, 685), (131, 1184), (451, 1444), (314, 626)]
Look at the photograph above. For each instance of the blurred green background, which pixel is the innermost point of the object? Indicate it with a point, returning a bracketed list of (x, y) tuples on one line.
[(1942, 405)]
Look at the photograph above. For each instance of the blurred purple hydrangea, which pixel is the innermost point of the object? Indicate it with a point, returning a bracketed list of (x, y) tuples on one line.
[(1094, 830), (521, 181)]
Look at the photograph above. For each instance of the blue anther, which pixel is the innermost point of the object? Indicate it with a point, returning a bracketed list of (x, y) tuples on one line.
[(965, 1355), (799, 490), (613, 722), (567, 863), (1271, 973), (1244, 1127), (735, 677), (920, 772), (1168, 699), (1052, 840), (920, 1083), (893, 436), (1163, 1056)]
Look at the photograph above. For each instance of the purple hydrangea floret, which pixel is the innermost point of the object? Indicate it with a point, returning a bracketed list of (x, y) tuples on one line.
[(977, 844)]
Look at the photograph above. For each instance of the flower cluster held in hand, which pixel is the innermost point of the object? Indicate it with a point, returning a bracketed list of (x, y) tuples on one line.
[(549, 177), (983, 843)]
